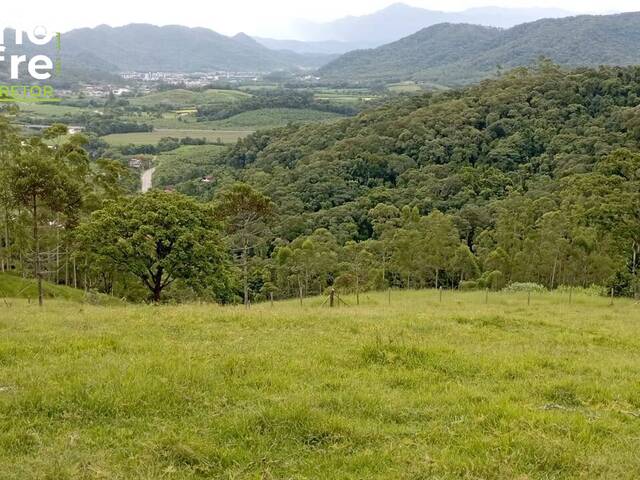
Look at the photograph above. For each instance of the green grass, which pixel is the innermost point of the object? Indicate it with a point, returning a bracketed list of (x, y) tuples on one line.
[(48, 110), (252, 120), (274, 117), (144, 138), (404, 87), (12, 286), (415, 390), (187, 98), (185, 163)]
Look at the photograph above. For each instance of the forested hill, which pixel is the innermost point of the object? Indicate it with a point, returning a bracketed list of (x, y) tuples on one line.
[(537, 162), (173, 48), (460, 53)]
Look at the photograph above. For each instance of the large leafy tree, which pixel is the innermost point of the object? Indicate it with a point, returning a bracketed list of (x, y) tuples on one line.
[(160, 238)]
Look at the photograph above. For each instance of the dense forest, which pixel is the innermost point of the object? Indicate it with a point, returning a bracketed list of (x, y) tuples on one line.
[(533, 177), (453, 54)]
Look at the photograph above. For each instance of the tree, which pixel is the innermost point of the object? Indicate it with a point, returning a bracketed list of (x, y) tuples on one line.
[(10, 143), (160, 237), (464, 263), (40, 177), (440, 242), (245, 213), (358, 262)]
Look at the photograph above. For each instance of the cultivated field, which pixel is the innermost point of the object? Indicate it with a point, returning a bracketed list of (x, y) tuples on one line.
[(149, 138), (417, 389), (251, 120), (187, 98)]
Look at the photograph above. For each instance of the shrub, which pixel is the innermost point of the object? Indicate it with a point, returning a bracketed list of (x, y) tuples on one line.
[(524, 287), (468, 285), (493, 280)]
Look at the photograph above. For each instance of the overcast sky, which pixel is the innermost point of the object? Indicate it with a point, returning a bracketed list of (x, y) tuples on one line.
[(256, 17)]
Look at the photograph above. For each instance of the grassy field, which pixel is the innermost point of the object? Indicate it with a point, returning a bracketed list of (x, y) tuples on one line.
[(418, 389), (184, 163), (13, 286), (47, 109), (151, 138), (275, 117), (404, 87), (188, 98), (252, 120)]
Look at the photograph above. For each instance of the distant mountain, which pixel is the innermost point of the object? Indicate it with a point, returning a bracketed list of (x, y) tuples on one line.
[(298, 46), (309, 58), (399, 20), (143, 47), (452, 54)]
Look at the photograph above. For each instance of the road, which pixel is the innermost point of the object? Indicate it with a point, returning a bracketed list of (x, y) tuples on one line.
[(146, 178)]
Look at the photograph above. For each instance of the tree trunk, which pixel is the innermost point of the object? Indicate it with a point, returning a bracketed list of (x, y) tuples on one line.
[(245, 273), (384, 265), (36, 263), (357, 289), (7, 245), (57, 255), (157, 285)]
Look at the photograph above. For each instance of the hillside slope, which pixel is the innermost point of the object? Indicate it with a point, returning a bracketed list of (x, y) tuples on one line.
[(457, 151), (458, 53), (420, 388), (12, 286), (144, 47)]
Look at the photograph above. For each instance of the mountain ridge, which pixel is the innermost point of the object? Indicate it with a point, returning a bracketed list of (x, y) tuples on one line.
[(399, 20), (461, 53)]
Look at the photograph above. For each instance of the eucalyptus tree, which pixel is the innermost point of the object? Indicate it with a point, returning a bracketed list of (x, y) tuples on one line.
[(245, 214)]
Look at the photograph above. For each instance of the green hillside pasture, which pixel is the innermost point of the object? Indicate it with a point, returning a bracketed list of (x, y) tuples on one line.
[(418, 389), (339, 96), (48, 110), (275, 117), (12, 286), (187, 98), (254, 119), (404, 87), (151, 138), (185, 163)]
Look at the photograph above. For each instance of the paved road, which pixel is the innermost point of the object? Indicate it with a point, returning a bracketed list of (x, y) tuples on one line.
[(147, 176)]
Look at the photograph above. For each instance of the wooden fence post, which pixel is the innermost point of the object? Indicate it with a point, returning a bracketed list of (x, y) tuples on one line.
[(611, 297)]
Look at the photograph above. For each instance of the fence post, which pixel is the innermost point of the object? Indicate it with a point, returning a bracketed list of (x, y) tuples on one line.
[(440, 294), (271, 298), (389, 296), (486, 296), (332, 292), (611, 297), (528, 298)]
